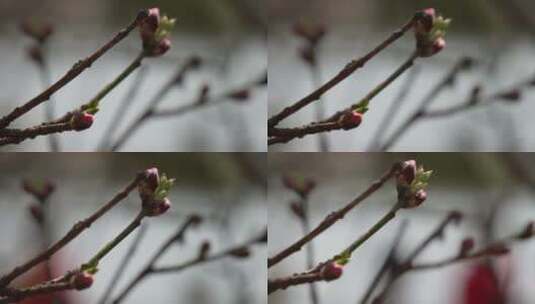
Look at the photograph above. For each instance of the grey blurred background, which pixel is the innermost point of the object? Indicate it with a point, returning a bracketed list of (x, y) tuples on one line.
[(226, 189), (498, 33), (475, 184), (228, 34)]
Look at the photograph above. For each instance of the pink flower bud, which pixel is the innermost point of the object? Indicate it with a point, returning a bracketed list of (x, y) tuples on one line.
[(82, 280), (420, 197), (81, 121), (156, 207), (331, 271), (430, 50), (350, 120), (424, 20), (466, 246), (152, 178), (163, 46), (407, 173), (149, 25), (37, 213)]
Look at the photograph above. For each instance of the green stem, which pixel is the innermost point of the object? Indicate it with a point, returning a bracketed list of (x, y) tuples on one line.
[(375, 228), (93, 263), (93, 103)]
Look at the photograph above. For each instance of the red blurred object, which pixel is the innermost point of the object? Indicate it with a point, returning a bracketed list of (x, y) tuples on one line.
[(482, 286)]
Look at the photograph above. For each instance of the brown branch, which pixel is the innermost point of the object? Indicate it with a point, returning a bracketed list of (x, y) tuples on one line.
[(15, 136), (151, 268), (76, 230), (332, 218), (74, 72), (294, 280), (16, 295), (151, 111), (347, 71)]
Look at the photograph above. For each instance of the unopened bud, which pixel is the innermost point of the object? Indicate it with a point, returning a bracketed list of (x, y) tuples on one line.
[(36, 212), (297, 209), (350, 120), (331, 271), (154, 207), (240, 95), (240, 253), (82, 280), (81, 121), (511, 96), (466, 246), (204, 250), (407, 173)]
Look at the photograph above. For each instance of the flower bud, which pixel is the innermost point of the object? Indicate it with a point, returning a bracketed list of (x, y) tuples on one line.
[(149, 25), (350, 120), (427, 51), (310, 32), (424, 20), (512, 96), (82, 280), (36, 54), (154, 207), (297, 209), (240, 253), (39, 32), (331, 271), (240, 95), (81, 121), (528, 232), (308, 55), (204, 250), (466, 246), (407, 173), (40, 191), (37, 213), (161, 48)]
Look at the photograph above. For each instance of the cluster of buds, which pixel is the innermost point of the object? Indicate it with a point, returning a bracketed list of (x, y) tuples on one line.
[(82, 120), (312, 34), (350, 120), (81, 280), (154, 31), (411, 182), (301, 186), (429, 30), (153, 190), (331, 271)]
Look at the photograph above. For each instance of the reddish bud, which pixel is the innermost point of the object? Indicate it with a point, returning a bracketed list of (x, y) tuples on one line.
[(513, 95), (148, 184), (407, 173), (455, 216), (297, 209), (37, 213), (38, 32), (350, 120), (466, 246), (36, 54), (425, 50), (149, 25), (41, 193), (331, 271), (529, 231), (415, 200), (82, 280), (308, 55), (161, 48), (81, 121), (424, 20), (204, 250), (154, 207), (240, 95), (240, 253), (312, 33)]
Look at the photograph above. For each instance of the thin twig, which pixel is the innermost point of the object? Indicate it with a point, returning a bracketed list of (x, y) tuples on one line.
[(332, 218), (124, 264), (347, 71), (123, 107), (76, 230), (74, 72)]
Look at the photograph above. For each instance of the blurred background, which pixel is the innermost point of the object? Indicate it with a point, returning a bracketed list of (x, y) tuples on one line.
[(499, 34), (494, 192), (228, 34), (227, 190)]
